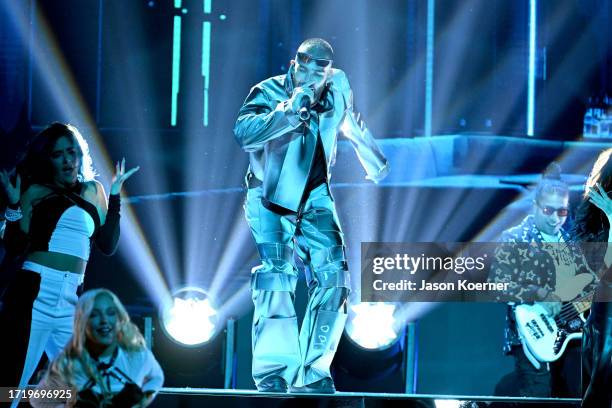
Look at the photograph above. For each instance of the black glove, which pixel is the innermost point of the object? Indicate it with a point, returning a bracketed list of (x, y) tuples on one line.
[(130, 395), (88, 399)]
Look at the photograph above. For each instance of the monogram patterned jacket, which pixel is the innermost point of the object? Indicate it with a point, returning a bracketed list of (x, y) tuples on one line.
[(525, 261)]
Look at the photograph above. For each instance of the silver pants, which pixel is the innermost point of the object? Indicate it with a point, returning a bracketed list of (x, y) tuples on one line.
[(313, 234)]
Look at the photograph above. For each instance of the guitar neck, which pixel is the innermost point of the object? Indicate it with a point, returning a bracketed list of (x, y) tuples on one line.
[(570, 310), (582, 304)]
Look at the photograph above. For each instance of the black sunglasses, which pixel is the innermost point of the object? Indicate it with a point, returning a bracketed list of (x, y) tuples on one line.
[(320, 62)]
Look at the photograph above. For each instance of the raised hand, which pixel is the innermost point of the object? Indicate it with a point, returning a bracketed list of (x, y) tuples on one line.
[(13, 191), (298, 93), (121, 175), (600, 199)]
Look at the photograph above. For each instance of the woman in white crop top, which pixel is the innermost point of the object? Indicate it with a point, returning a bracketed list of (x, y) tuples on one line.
[(56, 210)]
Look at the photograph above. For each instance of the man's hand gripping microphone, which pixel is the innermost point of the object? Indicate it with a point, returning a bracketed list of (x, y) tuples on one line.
[(301, 100), (304, 112)]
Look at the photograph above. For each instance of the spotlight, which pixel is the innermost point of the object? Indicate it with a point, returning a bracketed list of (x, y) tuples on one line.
[(191, 350), (190, 318), (447, 403), (372, 326), (372, 352)]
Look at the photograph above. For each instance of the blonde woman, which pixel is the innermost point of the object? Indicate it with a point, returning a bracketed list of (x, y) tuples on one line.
[(106, 362)]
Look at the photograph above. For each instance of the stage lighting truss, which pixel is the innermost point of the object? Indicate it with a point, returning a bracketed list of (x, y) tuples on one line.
[(372, 326), (189, 318)]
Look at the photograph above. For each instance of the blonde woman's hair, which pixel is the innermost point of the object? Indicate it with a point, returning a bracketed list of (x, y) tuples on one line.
[(61, 370)]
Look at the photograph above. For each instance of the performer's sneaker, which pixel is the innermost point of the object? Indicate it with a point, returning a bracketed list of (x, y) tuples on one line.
[(324, 386), (273, 383)]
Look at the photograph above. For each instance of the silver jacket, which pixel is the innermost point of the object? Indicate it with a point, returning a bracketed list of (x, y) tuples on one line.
[(281, 151)]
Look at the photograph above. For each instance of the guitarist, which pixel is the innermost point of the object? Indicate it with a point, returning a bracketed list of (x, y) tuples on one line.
[(536, 273)]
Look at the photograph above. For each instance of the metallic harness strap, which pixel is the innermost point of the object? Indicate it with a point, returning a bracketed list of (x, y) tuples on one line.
[(277, 272)]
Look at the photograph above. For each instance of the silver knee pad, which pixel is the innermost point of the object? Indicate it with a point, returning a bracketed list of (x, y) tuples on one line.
[(329, 268), (276, 273)]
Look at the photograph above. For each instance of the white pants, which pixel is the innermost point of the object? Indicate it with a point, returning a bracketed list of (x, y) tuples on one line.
[(52, 316)]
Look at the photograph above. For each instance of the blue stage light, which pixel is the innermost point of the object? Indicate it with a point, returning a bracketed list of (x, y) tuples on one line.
[(429, 67), (447, 403), (532, 68), (372, 326), (176, 64), (206, 39), (189, 318)]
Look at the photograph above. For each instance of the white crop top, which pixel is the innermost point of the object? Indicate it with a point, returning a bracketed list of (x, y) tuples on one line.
[(72, 233)]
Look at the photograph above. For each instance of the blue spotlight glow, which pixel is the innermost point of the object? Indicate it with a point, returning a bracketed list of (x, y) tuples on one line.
[(447, 403), (176, 64), (206, 66), (140, 258), (372, 325), (431, 8), (189, 318), (531, 75)]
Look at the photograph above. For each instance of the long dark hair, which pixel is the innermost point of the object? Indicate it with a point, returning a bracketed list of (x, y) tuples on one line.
[(35, 166), (591, 224)]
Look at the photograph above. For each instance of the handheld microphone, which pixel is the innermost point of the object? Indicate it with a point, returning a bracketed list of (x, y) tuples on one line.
[(304, 112)]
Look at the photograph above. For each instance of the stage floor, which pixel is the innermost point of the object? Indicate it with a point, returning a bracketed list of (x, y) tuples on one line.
[(188, 397)]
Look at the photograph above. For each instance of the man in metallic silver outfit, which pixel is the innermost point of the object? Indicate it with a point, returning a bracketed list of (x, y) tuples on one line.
[(289, 124)]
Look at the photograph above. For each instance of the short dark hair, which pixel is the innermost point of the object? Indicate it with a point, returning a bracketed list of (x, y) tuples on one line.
[(320, 45)]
